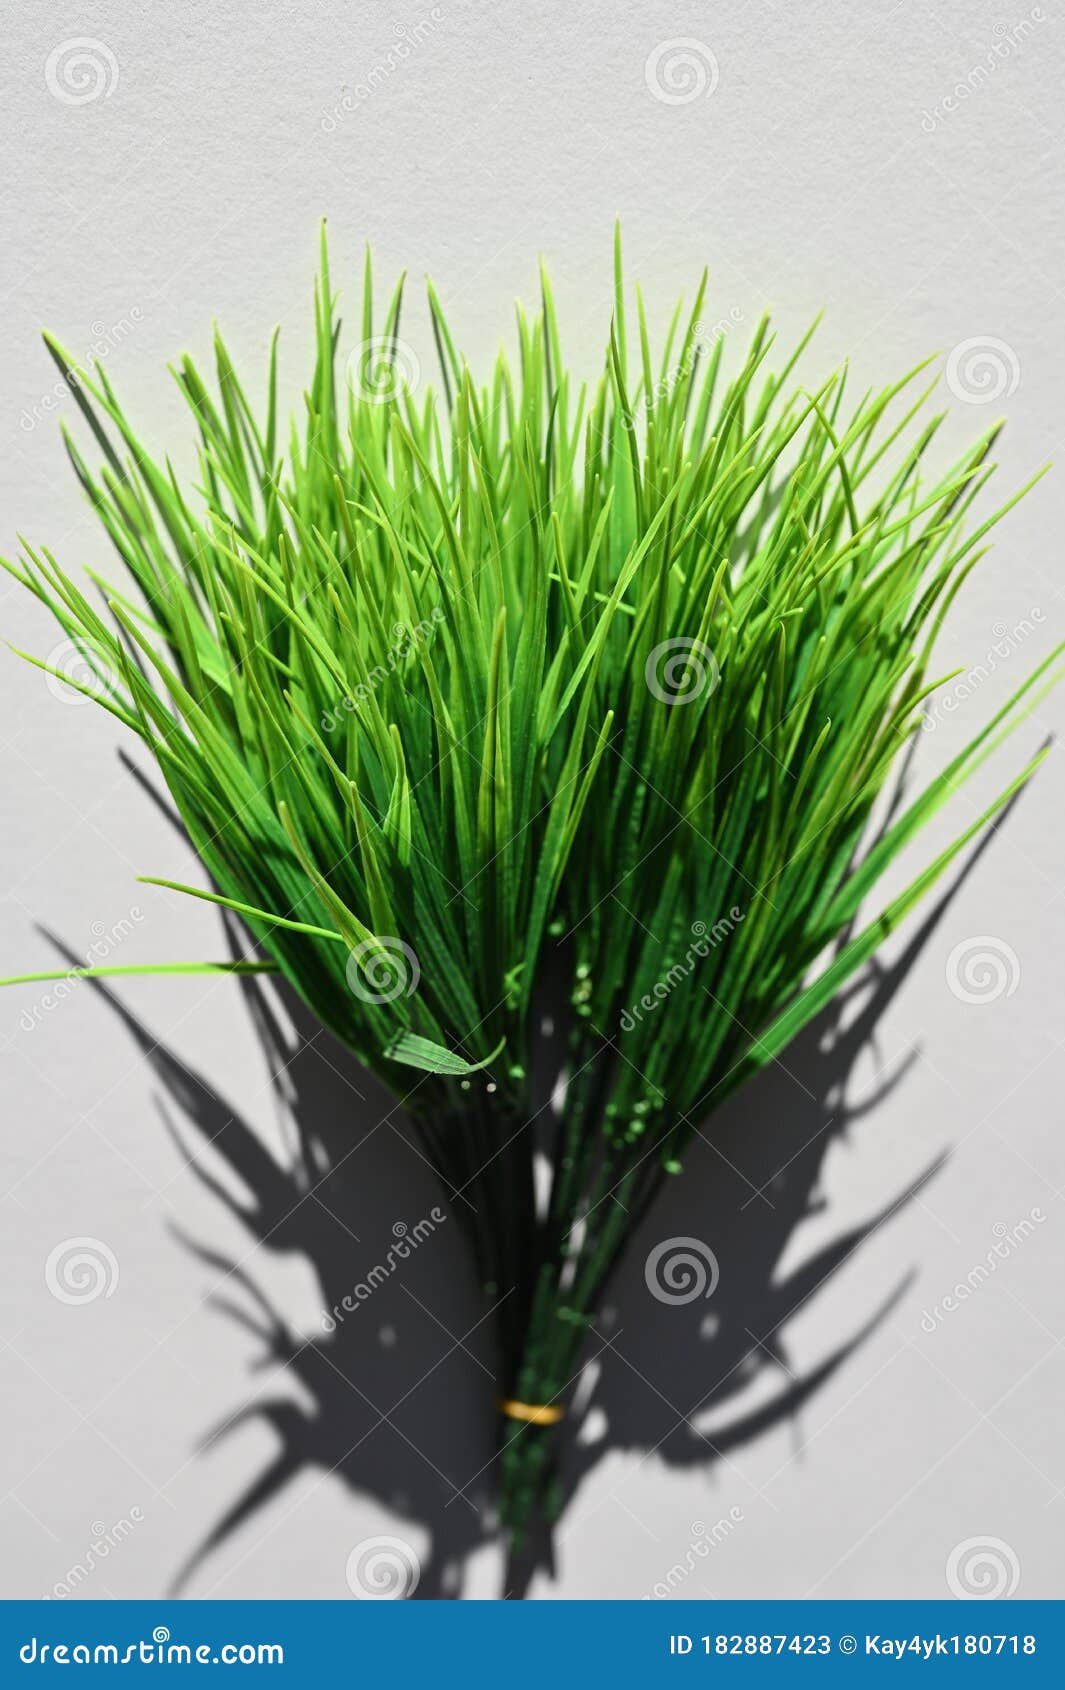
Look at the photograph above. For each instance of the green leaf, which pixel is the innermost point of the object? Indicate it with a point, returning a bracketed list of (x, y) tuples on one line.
[(432, 1058)]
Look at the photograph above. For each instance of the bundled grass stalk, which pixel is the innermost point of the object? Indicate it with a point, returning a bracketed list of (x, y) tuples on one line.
[(460, 694)]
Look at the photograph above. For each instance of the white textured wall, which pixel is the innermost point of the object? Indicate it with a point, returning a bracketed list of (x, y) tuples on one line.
[(823, 168)]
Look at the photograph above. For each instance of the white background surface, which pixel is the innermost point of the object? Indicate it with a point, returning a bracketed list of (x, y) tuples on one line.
[(813, 174)]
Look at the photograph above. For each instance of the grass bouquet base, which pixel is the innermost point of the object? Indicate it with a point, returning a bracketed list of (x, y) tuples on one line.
[(485, 701)]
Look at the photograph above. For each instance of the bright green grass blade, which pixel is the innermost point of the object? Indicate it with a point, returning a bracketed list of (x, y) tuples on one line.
[(103, 973), (432, 1058)]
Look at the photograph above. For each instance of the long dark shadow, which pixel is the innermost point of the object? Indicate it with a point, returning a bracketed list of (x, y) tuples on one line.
[(393, 1392)]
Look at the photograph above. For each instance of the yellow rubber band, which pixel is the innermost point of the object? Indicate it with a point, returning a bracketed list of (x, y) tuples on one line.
[(535, 1413)]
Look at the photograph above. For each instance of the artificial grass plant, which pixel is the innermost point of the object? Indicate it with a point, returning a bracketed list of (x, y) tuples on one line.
[(512, 695)]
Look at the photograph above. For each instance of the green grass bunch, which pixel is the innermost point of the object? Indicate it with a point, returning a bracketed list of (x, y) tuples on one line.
[(485, 700)]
